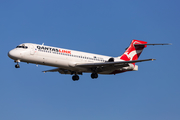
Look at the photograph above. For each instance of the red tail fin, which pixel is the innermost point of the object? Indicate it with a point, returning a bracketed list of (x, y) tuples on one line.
[(134, 50)]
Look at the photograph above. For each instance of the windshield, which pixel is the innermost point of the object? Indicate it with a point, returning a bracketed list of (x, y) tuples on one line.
[(22, 46)]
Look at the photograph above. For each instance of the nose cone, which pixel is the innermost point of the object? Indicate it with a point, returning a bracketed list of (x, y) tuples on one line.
[(13, 54)]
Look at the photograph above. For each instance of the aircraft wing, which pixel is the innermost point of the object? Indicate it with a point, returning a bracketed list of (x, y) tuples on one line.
[(62, 71), (118, 63), (108, 65), (52, 70)]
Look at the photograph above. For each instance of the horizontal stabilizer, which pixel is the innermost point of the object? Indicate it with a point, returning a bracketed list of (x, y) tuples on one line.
[(154, 44)]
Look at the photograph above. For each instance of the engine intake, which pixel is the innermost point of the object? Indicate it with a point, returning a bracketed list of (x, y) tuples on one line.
[(111, 60)]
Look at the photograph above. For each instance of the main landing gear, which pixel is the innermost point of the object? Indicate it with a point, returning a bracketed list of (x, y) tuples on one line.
[(94, 75), (75, 77)]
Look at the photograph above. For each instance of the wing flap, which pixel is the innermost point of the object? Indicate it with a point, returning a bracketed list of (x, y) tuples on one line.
[(62, 71), (52, 70)]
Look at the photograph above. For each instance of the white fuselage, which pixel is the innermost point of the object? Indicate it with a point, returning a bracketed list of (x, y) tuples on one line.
[(56, 57), (75, 62)]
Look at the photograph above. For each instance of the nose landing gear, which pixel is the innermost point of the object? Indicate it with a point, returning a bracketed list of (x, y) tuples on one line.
[(17, 65)]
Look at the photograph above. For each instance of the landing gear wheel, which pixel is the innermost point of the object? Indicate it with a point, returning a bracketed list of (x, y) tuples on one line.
[(75, 77), (94, 75), (17, 66)]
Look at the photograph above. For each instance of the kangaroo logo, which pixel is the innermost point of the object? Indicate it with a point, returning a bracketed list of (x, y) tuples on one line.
[(131, 54)]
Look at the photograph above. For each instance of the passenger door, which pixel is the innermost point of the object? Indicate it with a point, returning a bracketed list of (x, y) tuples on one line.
[(32, 51)]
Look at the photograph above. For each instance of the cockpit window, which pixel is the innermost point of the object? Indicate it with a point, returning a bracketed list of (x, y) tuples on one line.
[(25, 47)]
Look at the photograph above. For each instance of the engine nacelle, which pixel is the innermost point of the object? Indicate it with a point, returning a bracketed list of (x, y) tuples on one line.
[(111, 60), (130, 67), (135, 68)]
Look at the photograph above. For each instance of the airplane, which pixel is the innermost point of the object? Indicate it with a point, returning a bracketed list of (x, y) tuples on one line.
[(76, 62)]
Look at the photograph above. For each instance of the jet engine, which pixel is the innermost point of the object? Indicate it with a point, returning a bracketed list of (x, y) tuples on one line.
[(111, 60), (130, 67)]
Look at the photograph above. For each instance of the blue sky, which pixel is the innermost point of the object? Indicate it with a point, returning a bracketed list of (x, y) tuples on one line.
[(102, 27)]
